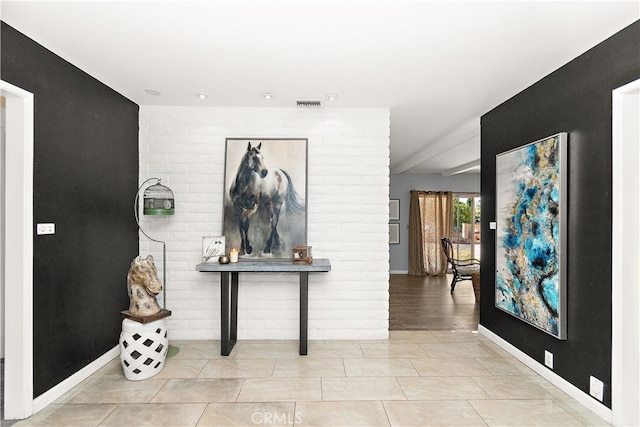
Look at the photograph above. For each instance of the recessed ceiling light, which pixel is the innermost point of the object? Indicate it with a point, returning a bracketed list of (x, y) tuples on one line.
[(202, 95), (267, 95), (153, 92), (332, 97)]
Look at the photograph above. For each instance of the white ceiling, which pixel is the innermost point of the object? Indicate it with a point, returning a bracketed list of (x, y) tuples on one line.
[(437, 65)]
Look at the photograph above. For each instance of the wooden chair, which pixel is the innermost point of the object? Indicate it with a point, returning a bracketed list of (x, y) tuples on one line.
[(462, 269)]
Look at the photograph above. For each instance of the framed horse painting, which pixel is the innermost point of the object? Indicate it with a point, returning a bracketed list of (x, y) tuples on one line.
[(265, 196)]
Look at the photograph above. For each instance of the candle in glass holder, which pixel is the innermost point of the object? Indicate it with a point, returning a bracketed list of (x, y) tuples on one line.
[(233, 255)]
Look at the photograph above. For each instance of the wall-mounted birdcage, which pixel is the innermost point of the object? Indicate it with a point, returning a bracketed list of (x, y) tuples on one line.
[(158, 200)]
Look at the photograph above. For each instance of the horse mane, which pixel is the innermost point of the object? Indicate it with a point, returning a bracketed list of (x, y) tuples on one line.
[(243, 176)]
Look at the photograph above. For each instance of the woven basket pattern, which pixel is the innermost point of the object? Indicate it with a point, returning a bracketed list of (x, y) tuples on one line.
[(143, 349)]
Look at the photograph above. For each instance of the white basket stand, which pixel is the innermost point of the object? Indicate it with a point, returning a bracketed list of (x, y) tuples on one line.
[(143, 348)]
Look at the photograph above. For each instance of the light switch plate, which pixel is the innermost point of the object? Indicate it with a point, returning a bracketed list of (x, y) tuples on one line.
[(45, 228)]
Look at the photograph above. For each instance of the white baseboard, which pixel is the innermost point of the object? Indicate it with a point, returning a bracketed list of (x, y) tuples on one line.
[(57, 391), (398, 271), (564, 385)]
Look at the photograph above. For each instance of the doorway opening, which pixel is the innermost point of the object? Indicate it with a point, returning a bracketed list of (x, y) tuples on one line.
[(625, 371), (466, 225), (17, 274)]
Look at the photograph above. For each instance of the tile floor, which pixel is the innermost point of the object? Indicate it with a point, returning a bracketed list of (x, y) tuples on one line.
[(421, 378)]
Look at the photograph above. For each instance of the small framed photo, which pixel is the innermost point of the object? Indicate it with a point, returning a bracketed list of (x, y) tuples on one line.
[(212, 248), (394, 210), (394, 234)]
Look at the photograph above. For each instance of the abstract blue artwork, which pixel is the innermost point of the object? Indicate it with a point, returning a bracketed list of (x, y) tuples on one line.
[(530, 233)]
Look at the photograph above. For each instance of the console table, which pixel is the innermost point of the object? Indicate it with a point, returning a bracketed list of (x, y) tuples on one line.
[(229, 293)]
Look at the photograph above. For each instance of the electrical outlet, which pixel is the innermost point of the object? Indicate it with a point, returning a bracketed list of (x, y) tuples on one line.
[(548, 359), (596, 388), (45, 228)]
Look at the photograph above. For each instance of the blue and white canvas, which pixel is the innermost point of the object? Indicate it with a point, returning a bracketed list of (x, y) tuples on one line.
[(530, 234)]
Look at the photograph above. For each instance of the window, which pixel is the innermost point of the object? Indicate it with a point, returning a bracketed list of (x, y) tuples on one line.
[(466, 225)]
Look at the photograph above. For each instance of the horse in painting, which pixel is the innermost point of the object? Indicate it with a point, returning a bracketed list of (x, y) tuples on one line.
[(258, 186)]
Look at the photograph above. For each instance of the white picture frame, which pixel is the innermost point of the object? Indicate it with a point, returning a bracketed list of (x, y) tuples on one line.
[(212, 248)]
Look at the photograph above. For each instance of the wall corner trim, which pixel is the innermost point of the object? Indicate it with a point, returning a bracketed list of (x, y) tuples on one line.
[(583, 398), (54, 393)]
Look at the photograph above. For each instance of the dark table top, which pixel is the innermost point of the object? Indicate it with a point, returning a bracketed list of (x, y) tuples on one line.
[(265, 266)]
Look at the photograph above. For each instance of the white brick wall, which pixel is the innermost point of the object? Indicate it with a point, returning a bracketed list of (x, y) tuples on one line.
[(347, 205)]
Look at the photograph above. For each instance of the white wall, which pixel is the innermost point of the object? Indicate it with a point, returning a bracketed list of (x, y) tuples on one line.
[(347, 205), (3, 119)]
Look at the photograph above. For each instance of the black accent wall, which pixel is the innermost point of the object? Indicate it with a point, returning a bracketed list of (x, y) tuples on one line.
[(85, 181), (577, 99)]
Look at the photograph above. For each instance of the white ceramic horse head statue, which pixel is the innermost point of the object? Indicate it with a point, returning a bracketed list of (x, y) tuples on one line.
[(143, 285)]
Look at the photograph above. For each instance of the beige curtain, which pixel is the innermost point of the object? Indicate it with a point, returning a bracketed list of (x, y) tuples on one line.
[(430, 219)]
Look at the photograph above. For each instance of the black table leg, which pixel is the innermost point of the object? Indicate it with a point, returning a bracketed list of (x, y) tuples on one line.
[(228, 315), (304, 311), (234, 307)]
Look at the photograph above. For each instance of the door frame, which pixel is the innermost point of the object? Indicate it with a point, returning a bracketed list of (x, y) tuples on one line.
[(18, 216), (625, 255)]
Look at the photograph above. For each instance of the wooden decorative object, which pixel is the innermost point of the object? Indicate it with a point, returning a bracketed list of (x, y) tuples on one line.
[(475, 280), (302, 255), (146, 319)]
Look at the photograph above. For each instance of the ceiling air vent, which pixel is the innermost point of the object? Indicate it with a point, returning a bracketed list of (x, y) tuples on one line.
[(308, 104)]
